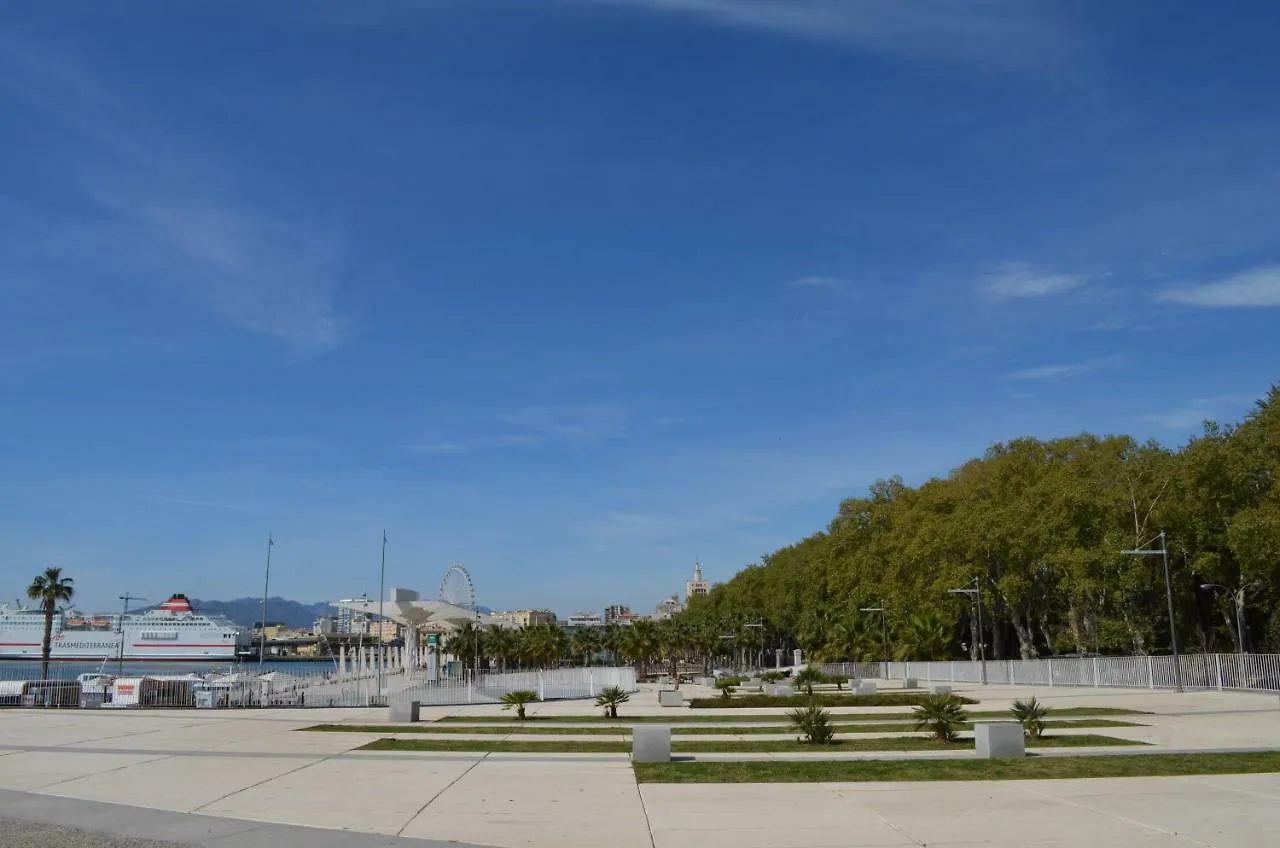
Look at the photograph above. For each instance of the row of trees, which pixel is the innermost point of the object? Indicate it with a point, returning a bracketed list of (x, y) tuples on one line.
[(1040, 525)]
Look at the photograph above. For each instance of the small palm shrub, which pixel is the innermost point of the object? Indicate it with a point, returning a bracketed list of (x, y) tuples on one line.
[(610, 698), (772, 676), (518, 700), (941, 715), (1031, 715), (838, 679), (808, 677), (727, 687), (814, 724)]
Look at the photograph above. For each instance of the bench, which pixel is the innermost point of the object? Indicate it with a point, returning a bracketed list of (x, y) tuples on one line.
[(999, 739)]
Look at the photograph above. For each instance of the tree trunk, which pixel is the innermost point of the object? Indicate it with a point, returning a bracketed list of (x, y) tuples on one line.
[(46, 646), (1026, 639), (1077, 627)]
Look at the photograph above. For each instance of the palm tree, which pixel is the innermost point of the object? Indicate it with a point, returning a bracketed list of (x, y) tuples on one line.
[(518, 700), (673, 641), (500, 644), (941, 715), (610, 698), (926, 637), (639, 643), (50, 589), (586, 644), (1031, 715), (465, 643), (612, 640), (808, 676)]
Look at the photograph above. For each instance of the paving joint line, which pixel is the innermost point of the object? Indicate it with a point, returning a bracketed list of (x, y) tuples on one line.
[(97, 773), (434, 797), (644, 809), (1079, 806), (895, 828), (315, 762)]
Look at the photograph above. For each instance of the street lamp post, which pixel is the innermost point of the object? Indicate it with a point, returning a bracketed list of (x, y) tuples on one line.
[(976, 591), (126, 597), (382, 594), (266, 584), (884, 632), (1163, 552)]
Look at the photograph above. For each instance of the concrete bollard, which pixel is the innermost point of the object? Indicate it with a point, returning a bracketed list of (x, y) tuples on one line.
[(651, 744), (784, 691), (999, 739), (405, 711), (910, 683), (865, 687), (670, 698), (940, 689)]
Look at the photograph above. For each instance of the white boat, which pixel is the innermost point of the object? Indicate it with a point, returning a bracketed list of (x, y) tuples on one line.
[(172, 633)]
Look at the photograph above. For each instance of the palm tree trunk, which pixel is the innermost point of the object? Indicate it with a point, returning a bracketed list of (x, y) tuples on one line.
[(46, 647)]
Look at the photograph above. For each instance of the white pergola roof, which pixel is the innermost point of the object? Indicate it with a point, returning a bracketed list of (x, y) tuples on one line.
[(404, 607)]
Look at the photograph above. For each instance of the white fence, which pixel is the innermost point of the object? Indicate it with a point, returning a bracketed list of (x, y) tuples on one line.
[(294, 685), (1238, 672)]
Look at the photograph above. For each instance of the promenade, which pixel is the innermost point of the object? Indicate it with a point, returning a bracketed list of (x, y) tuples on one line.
[(247, 778)]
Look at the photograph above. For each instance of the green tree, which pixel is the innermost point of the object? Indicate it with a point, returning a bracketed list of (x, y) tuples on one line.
[(500, 644), (611, 698), (587, 642), (49, 589), (518, 700)]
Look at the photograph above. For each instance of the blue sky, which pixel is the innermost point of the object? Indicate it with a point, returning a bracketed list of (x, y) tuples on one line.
[(574, 291)]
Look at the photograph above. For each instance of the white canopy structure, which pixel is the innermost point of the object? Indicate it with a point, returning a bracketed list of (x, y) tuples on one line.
[(406, 608)]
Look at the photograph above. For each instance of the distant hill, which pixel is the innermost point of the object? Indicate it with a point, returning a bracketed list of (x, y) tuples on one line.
[(246, 612)]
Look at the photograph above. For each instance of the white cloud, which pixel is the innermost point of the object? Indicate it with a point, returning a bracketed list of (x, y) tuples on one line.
[(1061, 371), (174, 218), (1255, 288), (565, 423), (995, 32), (1018, 280), (833, 283)]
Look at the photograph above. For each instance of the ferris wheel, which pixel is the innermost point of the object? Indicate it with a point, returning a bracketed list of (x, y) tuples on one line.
[(456, 588)]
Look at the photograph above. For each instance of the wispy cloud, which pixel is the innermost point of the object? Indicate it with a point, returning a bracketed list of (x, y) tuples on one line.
[(1018, 280), (438, 449), (1252, 289), (1004, 33), (1060, 371), (1197, 412), (175, 218), (561, 423), (831, 283)]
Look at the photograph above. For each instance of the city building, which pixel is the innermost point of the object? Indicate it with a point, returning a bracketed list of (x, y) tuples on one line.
[(669, 608), (697, 587), (585, 619), (325, 625), (524, 617), (618, 614)]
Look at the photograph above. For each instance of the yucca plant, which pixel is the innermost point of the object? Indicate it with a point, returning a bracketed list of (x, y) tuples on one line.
[(814, 723), (727, 687), (772, 676), (518, 700), (941, 715), (1031, 715), (610, 698), (807, 677)]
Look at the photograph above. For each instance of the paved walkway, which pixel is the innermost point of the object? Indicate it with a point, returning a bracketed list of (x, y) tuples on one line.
[(244, 770)]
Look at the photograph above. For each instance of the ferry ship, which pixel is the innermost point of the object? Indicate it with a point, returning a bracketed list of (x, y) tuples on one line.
[(173, 632)]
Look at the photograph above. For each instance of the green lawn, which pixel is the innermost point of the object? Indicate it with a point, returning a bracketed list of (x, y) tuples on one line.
[(621, 729), (826, 699), (571, 746), (1032, 768), (745, 718)]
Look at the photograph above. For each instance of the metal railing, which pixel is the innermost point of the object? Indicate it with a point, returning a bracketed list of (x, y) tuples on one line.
[(286, 685), (1229, 672)]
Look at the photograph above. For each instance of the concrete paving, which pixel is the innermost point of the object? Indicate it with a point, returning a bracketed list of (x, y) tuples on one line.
[(246, 772)]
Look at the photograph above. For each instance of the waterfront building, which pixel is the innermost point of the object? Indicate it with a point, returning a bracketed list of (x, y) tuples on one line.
[(697, 587)]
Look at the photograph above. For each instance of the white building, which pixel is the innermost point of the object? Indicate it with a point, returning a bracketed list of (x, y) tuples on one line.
[(585, 619), (697, 587)]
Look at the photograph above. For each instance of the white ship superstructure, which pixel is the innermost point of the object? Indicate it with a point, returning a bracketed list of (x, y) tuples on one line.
[(173, 632)]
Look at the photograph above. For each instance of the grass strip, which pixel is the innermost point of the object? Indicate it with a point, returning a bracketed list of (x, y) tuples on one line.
[(1031, 768), (682, 718), (880, 699), (569, 746), (616, 730)]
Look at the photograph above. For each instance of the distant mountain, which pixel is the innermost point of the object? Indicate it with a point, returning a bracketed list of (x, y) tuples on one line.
[(247, 612)]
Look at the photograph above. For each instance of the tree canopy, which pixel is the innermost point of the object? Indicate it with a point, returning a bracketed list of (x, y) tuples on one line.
[(1041, 525)]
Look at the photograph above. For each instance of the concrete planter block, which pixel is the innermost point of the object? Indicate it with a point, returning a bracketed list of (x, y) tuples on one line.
[(707, 681), (670, 698), (405, 712), (783, 691), (910, 683), (999, 739), (940, 689), (651, 744), (865, 687)]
